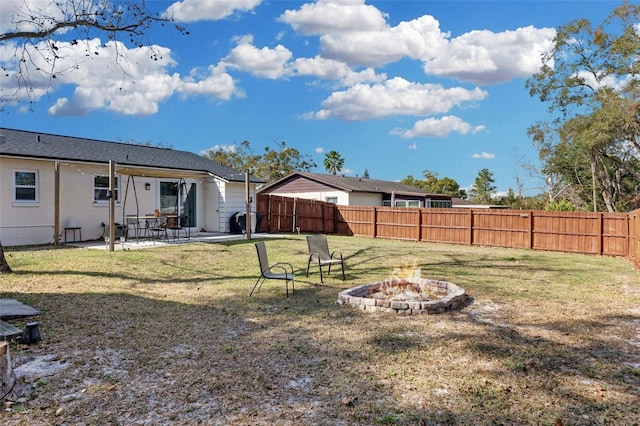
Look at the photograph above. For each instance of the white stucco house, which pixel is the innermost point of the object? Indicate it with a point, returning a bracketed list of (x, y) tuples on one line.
[(353, 191), (50, 182)]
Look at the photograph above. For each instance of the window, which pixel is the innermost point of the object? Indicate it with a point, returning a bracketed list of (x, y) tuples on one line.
[(333, 200), (443, 204), (26, 186), (101, 189), (407, 203)]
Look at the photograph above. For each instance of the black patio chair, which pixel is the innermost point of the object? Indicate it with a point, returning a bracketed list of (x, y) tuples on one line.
[(277, 271), (158, 227)]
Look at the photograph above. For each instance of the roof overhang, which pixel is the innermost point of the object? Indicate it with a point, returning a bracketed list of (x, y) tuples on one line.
[(160, 173)]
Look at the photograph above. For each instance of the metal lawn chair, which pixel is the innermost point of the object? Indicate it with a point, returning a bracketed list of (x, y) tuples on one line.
[(319, 254), (158, 227), (277, 271), (133, 223)]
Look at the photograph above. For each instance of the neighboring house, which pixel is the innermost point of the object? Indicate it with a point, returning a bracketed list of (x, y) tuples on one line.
[(44, 177), (459, 202), (353, 191)]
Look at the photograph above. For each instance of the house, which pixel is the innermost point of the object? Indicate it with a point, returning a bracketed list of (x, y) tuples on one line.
[(466, 204), (50, 182), (353, 191)]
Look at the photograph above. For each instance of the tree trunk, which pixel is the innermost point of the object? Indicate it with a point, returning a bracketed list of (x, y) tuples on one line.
[(7, 376), (594, 190), (4, 266)]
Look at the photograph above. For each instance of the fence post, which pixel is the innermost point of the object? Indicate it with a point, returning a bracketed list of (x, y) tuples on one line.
[(599, 248), (470, 239), (419, 225), (374, 219), (269, 218), (530, 226)]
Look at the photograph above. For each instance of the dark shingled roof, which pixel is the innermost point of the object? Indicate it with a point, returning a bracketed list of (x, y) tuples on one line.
[(354, 184), (20, 143)]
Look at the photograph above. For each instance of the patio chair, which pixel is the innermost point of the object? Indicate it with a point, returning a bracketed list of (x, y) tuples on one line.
[(277, 271), (319, 253), (157, 227), (178, 224), (133, 223)]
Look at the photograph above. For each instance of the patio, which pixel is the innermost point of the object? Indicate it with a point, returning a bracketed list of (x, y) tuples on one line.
[(196, 237)]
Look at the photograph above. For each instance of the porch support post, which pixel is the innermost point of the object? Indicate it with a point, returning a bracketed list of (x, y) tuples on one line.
[(247, 191), (112, 204), (56, 203)]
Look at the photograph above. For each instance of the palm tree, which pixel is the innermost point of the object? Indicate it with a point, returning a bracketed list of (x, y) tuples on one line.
[(333, 162)]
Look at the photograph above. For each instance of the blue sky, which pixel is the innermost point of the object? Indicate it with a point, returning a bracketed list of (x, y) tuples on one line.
[(396, 87)]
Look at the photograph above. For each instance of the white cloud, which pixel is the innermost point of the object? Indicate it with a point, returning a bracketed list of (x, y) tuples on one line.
[(359, 35), (128, 84), (201, 10), (484, 57), (319, 150), (224, 148), (264, 62), (416, 39), (413, 146), (484, 155), (329, 69), (216, 83), (327, 16), (610, 81), (394, 97), (15, 15), (440, 127), (109, 77)]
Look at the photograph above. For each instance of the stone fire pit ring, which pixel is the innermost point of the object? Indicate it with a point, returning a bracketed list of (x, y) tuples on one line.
[(452, 298)]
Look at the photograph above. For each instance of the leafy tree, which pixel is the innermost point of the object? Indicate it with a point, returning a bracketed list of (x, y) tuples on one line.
[(561, 206), (591, 80), (333, 162), (237, 156), (38, 32), (41, 29), (365, 175), (431, 183), (483, 187), (274, 164)]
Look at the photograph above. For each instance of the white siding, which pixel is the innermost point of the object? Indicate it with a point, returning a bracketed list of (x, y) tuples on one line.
[(24, 224), (365, 199), (232, 197), (342, 196)]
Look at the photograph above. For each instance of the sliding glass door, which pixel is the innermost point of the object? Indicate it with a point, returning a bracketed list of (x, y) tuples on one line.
[(178, 197)]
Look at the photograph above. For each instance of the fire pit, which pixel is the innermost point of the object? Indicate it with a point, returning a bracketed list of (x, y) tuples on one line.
[(405, 293)]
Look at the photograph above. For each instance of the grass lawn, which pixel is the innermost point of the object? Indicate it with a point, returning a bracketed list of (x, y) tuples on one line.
[(169, 335)]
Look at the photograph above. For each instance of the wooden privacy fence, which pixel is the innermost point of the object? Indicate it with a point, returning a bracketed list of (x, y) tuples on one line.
[(634, 238), (609, 234), (283, 214)]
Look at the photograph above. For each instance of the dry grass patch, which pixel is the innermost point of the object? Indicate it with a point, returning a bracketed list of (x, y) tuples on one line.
[(170, 335)]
